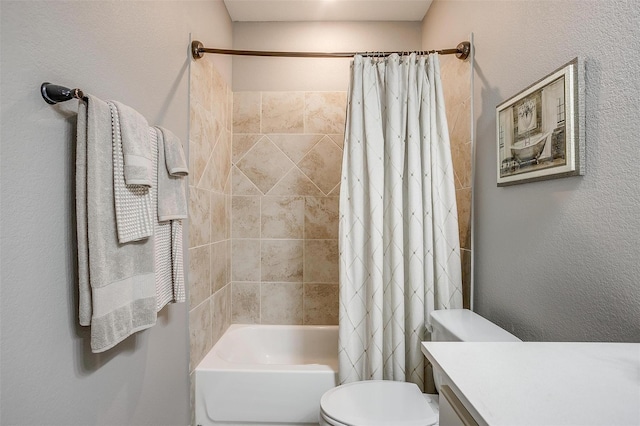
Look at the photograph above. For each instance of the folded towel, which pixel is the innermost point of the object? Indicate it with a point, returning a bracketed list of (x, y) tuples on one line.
[(134, 217), (174, 154), (138, 161), (117, 281), (172, 192), (170, 287)]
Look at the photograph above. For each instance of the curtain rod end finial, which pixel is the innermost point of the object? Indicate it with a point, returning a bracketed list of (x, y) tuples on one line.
[(464, 50), (196, 49)]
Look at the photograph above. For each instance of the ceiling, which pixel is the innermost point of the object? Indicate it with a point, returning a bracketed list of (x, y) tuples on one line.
[(326, 10)]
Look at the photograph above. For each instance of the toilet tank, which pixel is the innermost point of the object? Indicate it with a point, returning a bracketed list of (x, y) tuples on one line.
[(463, 325)]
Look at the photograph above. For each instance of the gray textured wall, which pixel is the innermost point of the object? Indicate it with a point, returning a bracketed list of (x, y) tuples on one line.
[(135, 52), (556, 260)]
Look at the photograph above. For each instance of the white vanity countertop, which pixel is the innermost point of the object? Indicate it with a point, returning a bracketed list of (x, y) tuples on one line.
[(543, 383)]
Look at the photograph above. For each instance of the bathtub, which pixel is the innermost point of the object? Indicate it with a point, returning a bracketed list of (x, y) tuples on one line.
[(266, 374)]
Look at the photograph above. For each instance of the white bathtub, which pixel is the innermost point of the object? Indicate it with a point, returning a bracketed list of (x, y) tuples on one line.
[(266, 374)]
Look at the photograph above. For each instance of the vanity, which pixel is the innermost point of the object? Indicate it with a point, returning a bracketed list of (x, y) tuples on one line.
[(537, 383)]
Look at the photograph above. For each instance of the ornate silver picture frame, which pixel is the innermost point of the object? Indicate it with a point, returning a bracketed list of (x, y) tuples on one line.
[(540, 131)]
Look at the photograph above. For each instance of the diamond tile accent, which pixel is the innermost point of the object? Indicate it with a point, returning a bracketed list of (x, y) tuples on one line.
[(265, 165), (323, 164), (243, 143), (295, 183), (295, 146), (241, 185)]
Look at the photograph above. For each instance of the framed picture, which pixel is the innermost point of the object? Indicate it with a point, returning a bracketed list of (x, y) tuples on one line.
[(540, 131)]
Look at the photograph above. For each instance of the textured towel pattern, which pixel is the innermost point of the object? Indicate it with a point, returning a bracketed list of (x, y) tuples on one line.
[(179, 295), (170, 286), (116, 281), (133, 203)]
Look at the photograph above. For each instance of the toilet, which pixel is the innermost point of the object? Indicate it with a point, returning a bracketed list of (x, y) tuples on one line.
[(391, 403)]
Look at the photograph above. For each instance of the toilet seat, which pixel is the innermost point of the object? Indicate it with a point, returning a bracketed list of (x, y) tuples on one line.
[(376, 403)]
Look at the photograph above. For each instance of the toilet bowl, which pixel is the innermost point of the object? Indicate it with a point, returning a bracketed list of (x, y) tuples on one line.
[(390, 403), (377, 403)]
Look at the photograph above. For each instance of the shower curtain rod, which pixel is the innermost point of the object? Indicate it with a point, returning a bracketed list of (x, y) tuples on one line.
[(198, 50)]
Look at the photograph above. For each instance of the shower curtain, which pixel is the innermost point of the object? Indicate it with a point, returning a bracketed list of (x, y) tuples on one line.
[(399, 244)]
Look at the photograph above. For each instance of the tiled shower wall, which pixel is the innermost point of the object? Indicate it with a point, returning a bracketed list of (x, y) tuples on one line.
[(276, 261), (209, 208), (287, 155), (456, 82)]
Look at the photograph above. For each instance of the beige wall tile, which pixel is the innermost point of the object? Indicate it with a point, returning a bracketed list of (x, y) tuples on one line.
[(295, 183), (199, 217), (282, 112), (460, 136), (229, 245), (325, 112), (323, 164), (241, 185), (221, 313), (320, 304), (456, 79), (466, 278), (321, 261), (245, 303), (338, 139), (281, 303), (245, 260), (245, 217), (199, 333), (219, 98), (321, 218), (242, 143), (219, 165), (203, 135), (218, 217), (199, 275), (335, 192), (463, 200), (281, 260), (264, 173), (282, 217), (219, 265), (295, 146), (229, 124), (246, 112), (201, 83)]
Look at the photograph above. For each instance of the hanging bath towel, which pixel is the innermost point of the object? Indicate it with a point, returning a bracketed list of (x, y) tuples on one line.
[(116, 281), (170, 198)]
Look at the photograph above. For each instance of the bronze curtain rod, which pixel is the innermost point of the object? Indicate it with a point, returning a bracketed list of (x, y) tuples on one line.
[(198, 50)]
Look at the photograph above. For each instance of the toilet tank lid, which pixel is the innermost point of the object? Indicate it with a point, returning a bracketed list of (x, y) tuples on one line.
[(467, 326)]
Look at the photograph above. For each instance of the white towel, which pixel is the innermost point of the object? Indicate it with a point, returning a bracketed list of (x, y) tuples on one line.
[(172, 193), (116, 281), (138, 158), (134, 218), (174, 154), (170, 286)]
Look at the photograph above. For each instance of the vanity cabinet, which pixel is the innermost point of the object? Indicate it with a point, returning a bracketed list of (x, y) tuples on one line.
[(537, 383), (452, 411)]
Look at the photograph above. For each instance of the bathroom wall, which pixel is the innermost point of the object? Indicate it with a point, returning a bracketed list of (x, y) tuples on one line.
[(287, 154), (312, 74), (558, 259), (456, 82), (135, 52), (287, 150), (209, 203)]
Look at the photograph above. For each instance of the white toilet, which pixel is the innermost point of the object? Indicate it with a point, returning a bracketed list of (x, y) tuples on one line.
[(389, 403)]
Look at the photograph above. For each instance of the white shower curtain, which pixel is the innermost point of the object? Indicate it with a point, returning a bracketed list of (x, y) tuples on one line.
[(399, 246)]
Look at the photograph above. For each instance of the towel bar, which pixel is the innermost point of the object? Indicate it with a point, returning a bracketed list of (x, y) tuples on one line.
[(53, 93)]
